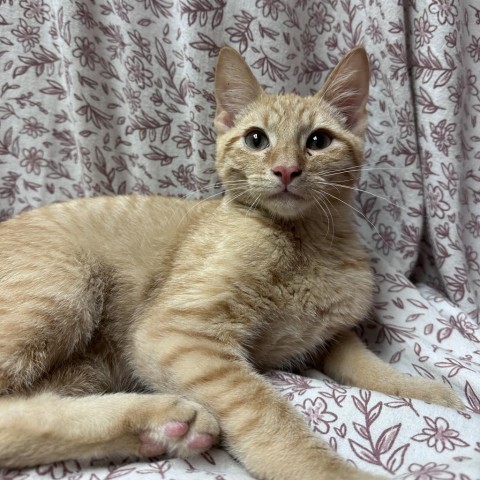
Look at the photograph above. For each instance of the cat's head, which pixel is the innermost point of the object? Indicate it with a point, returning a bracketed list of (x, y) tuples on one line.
[(288, 154)]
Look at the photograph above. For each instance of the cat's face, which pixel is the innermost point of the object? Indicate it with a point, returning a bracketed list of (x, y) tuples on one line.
[(285, 154)]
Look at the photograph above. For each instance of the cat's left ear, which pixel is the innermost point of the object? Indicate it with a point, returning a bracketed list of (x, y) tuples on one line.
[(347, 89), (235, 88)]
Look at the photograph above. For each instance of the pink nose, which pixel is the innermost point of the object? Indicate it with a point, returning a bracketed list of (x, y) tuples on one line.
[(287, 174)]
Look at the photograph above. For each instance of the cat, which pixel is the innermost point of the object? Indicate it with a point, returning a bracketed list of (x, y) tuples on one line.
[(141, 325)]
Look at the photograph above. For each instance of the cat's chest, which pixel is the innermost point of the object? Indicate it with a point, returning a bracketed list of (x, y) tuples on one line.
[(307, 307)]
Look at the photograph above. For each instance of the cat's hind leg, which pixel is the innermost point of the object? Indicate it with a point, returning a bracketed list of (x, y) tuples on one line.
[(349, 361), (50, 306), (46, 427)]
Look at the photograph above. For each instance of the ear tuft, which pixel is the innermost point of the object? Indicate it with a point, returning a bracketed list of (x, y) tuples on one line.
[(347, 89), (235, 88)]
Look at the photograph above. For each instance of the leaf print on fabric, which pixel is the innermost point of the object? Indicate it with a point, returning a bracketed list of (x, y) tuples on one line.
[(160, 8), (201, 10), (380, 451), (59, 470), (439, 435)]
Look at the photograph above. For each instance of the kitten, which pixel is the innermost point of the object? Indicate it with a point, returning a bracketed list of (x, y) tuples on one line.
[(141, 325)]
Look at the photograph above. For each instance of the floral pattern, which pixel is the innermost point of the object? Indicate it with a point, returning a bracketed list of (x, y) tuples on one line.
[(115, 96)]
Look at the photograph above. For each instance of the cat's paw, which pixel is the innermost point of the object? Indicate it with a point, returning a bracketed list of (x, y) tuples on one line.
[(431, 391), (191, 430)]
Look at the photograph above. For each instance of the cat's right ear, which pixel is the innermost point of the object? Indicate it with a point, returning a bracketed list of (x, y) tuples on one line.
[(235, 88)]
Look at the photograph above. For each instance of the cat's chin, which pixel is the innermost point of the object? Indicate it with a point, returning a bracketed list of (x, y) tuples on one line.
[(286, 205)]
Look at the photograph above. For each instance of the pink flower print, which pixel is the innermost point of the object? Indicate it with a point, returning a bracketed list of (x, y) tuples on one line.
[(332, 42), (430, 471), (472, 83), (473, 226), (36, 9), (436, 206), (445, 10), (122, 8), (84, 15), (467, 328), (133, 98), (319, 418), (374, 31), (423, 30), (137, 72), (85, 51), (451, 39), (375, 71), (308, 41), (439, 435), (442, 135), (27, 35), (385, 238), (33, 128), (474, 48), (320, 19), (405, 120), (141, 188), (443, 230), (33, 160)]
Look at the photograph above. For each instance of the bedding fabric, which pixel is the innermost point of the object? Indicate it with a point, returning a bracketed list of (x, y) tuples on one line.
[(116, 96)]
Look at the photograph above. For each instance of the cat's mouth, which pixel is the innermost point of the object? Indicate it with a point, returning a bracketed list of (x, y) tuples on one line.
[(286, 203), (286, 195)]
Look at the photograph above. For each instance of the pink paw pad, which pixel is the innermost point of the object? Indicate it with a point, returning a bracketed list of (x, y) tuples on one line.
[(201, 441), (150, 448), (176, 429)]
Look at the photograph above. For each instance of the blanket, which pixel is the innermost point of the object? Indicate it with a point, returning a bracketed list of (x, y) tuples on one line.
[(116, 97)]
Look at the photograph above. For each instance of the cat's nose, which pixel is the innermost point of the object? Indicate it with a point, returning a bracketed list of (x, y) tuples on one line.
[(287, 174)]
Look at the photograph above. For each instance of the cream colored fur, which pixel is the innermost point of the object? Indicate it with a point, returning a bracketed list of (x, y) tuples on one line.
[(182, 305)]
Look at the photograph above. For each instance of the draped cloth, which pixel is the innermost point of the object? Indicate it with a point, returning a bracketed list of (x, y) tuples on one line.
[(116, 97)]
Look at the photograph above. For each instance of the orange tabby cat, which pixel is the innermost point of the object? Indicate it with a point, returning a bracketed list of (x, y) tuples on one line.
[(170, 309)]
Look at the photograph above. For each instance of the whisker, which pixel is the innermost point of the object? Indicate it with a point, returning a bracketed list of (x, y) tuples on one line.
[(358, 168), (252, 206), (327, 215), (356, 210), (366, 191)]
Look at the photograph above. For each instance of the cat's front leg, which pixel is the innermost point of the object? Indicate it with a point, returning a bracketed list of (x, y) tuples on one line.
[(48, 427), (349, 361), (258, 426)]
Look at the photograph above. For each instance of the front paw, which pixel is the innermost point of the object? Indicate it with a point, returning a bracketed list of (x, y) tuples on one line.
[(190, 430), (431, 391)]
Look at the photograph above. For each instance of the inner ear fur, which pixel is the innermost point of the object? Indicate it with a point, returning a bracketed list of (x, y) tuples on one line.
[(346, 89), (235, 88)]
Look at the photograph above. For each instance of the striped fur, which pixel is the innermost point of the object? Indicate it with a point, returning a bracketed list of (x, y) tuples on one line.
[(124, 319)]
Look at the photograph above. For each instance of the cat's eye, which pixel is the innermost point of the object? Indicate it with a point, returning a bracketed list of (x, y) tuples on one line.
[(318, 140), (256, 140)]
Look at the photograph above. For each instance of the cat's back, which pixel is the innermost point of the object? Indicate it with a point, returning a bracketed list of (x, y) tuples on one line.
[(121, 230)]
